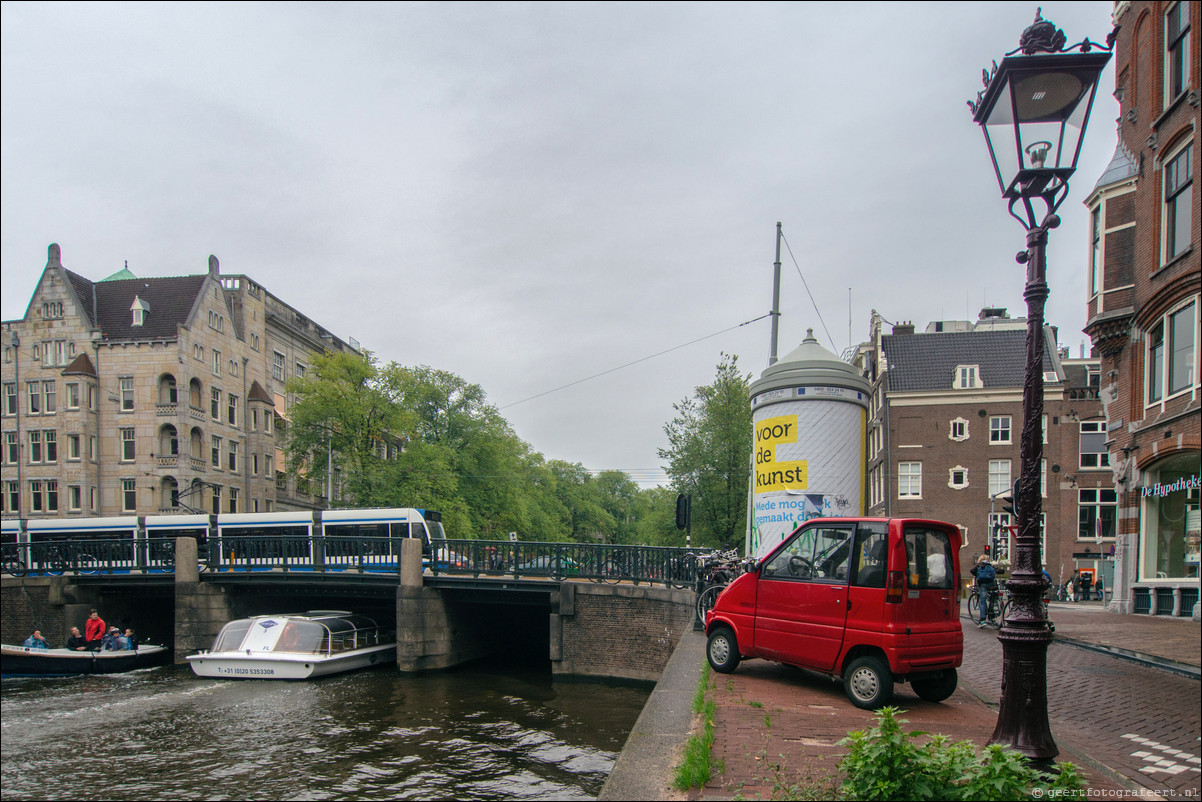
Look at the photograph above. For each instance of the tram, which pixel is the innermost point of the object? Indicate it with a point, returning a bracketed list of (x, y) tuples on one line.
[(358, 539)]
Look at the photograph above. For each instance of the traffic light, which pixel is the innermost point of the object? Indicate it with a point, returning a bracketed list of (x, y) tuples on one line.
[(1011, 505), (682, 511)]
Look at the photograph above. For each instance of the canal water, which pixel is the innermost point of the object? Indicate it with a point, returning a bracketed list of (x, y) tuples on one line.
[(479, 732)]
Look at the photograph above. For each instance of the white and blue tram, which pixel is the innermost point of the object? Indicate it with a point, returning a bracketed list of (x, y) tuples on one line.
[(329, 540)]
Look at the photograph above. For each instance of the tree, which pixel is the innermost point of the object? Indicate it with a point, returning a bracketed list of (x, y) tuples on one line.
[(709, 454), (342, 410)]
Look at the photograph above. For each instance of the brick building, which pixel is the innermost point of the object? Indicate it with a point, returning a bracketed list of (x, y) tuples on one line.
[(944, 426), (1145, 275), (131, 396)]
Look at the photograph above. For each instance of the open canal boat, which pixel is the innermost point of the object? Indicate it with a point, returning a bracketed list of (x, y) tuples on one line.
[(20, 661), (312, 644)]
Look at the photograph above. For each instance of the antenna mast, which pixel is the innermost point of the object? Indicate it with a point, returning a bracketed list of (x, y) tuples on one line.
[(775, 300)]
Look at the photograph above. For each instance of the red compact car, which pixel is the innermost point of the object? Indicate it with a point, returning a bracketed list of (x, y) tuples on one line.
[(871, 600)]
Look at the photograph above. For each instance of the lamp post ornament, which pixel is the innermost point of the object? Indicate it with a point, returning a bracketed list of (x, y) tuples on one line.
[(1033, 110)]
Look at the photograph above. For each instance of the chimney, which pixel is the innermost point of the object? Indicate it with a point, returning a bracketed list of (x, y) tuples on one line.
[(903, 328)]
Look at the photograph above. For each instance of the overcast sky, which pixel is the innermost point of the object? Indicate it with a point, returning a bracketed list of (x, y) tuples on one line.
[(531, 194)]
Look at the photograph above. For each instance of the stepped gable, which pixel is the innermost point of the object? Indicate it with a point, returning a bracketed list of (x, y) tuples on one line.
[(920, 362)]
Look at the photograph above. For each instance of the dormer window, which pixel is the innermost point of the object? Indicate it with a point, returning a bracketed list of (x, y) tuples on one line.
[(968, 377), (139, 309)]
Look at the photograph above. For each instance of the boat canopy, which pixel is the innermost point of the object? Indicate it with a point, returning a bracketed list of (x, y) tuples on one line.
[(316, 633)]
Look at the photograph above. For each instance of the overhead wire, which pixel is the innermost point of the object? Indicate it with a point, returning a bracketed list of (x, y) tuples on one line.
[(807, 286), (635, 362)]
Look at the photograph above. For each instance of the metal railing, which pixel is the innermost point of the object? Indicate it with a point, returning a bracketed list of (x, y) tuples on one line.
[(672, 566)]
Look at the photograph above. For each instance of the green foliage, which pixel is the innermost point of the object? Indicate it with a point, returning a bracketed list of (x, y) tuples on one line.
[(887, 763), (697, 766), (709, 454), (421, 437)]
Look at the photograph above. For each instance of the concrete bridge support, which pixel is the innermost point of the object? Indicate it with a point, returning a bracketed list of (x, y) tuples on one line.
[(432, 631), (201, 610)]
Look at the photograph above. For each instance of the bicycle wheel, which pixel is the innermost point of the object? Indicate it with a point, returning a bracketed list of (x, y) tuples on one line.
[(973, 605), (995, 612), (611, 572), (707, 599), (86, 564)]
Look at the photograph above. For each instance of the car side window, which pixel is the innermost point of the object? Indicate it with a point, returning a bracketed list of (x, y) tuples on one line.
[(871, 556), (819, 553)]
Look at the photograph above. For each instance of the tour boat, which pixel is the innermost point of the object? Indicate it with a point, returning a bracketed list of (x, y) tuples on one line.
[(300, 646), (22, 661)]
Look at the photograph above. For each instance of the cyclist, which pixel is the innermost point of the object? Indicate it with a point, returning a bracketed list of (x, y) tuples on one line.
[(986, 576)]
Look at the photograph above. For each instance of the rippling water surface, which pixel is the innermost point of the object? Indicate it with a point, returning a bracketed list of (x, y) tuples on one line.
[(166, 734)]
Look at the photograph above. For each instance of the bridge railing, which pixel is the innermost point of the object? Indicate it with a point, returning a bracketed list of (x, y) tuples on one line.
[(315, 553), (106, 555), (596, 562)]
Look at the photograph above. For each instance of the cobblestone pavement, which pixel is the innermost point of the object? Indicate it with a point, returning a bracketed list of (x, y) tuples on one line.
[(777, 731), (1140, 721)]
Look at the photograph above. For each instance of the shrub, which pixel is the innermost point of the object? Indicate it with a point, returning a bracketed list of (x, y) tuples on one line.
[(887, 763)]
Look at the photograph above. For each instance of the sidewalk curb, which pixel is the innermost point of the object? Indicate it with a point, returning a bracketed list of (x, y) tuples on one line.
[(1077, 755), (1139, 658)]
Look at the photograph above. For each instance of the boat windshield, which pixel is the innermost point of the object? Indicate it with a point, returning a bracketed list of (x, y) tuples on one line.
[(231, 636), (301, 636)]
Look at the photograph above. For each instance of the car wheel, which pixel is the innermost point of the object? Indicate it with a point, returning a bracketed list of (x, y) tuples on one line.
[(868, 683), (935, 687), (722, 651)]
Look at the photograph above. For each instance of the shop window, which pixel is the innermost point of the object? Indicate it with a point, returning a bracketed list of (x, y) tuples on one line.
[(1171, 519)]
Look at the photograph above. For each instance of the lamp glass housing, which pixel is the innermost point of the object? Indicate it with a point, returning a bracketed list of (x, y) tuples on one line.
[(1034, 114)]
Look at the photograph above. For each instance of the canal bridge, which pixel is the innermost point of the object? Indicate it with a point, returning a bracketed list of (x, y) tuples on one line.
[(590, 610)]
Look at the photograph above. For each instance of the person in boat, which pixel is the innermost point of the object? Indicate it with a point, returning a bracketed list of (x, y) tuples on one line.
[(76, 642), (36, 641), (93, 630), (131, 642), (113, 642)]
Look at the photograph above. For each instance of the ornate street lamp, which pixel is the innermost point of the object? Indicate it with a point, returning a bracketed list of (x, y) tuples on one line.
[(1033, 110)]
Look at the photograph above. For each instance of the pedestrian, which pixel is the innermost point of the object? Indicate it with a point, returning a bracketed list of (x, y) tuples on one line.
[(986, 576), (36, 641), (1076, 585), (93, 630), (1086, 582), (1098, 587), (76, 642)]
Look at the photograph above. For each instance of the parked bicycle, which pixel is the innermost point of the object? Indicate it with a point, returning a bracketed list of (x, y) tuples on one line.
[(714, 572)]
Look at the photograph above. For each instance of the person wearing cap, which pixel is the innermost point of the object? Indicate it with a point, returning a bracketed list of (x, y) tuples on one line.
[(986, 576), (112, 641)]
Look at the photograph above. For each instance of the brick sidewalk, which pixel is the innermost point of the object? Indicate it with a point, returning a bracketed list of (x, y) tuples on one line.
[(776, 731)]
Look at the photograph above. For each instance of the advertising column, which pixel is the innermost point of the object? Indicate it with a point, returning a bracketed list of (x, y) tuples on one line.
[(808, 413)]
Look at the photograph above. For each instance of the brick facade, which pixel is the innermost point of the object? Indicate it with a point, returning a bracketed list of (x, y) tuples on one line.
[(1143, 310), (942, 436)]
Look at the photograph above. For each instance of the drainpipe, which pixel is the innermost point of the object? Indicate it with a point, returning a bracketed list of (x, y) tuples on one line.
[(16, 342)]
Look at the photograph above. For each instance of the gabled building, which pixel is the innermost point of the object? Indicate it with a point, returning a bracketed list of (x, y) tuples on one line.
[(1145, 281), (131, 396), (944, 426)]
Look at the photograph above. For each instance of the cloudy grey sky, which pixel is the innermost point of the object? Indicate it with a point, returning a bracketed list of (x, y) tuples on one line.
[(529, 194)]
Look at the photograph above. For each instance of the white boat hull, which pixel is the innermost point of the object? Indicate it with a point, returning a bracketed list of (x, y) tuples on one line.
[(287, 665)]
